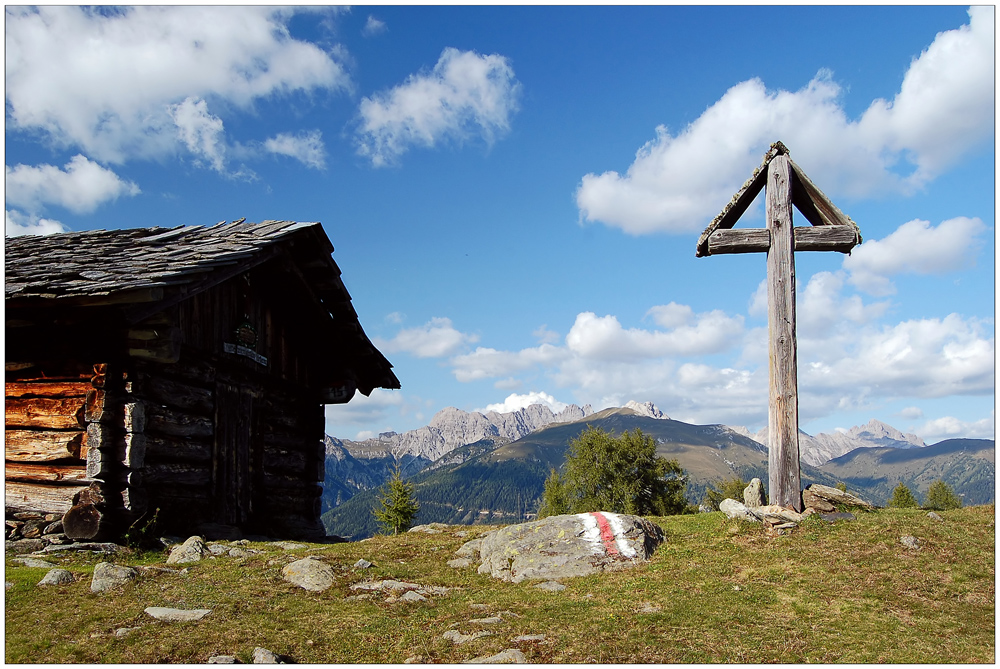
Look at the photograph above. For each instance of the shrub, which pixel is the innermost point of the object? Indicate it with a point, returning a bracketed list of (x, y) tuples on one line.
[(717, 491), (619, 474)]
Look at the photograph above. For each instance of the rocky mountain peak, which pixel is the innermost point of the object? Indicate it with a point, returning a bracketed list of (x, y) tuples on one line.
[(823, 447), (647, 409), (875, 430)]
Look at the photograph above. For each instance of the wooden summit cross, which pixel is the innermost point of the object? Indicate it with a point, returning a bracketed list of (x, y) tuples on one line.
[(786, 185)]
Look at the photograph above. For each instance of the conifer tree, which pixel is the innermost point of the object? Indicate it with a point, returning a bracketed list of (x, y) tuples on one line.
[(397, 506), (941, 497), (902, 498)]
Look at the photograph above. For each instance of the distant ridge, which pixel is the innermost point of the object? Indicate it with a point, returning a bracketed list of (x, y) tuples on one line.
[(823, 447)]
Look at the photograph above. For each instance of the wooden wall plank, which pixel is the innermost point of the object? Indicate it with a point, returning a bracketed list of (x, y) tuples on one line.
[(43, 445)]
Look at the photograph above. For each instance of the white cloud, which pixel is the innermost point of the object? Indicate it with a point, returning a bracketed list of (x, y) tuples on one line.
[(949, 427), (362, 410), (373, 26), (485, 363), (911, 413), (17, 224), (200, 131), (80, 186), (604, 337), (464, 94), (515, 402), (106, 80), (915, 247), (435, 339), (944, 109), (305, 147)]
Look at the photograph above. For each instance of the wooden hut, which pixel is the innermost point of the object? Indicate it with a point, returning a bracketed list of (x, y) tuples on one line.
[(181, 371)]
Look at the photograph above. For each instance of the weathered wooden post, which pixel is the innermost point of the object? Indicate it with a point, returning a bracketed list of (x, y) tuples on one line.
[(786, 184)]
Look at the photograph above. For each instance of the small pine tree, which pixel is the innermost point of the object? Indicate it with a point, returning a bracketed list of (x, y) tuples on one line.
[(941, 497), (398, 507), (902, 498)]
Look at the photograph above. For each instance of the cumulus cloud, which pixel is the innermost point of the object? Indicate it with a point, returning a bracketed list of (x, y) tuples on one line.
[(380, 407), (373, 26), (80, 186), (464, 94), (305, 147), (515, 402), (485, 363), (915, 247), (949, 427), (944, 109), (435, 339), (17, 224), (133, 83)]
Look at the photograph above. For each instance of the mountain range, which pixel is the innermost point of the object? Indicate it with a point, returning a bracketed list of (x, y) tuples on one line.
[(491, 467)]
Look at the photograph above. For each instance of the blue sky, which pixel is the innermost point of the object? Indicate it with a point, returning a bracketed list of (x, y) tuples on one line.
[(515, 193)]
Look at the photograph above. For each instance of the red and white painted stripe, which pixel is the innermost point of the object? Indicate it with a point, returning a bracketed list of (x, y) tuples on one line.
[(604, 530)]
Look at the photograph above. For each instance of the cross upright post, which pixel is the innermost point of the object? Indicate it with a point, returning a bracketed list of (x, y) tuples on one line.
[(786, 184)]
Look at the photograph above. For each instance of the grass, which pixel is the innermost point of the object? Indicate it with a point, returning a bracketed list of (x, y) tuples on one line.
[(723, 591)]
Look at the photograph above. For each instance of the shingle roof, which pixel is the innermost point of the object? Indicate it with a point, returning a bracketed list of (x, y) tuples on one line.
[(105, 262)]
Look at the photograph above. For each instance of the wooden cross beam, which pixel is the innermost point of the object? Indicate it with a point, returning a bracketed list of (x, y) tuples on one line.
[(786, 185)]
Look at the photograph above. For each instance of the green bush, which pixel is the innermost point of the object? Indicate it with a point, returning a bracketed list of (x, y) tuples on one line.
[(941, 497), (717, 491), (619, 474), (902, 498)]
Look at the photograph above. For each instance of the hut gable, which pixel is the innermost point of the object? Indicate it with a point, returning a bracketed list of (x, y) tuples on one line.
[(182, 371)]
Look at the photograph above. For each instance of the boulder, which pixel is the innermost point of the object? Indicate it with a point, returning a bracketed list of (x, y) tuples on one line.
[(934, 516), (470, 549), (776, 515), (57, 577), (458, 638), (309, 573), (835, 496), (736, 510), (753, 494), (264, 656), (22, 546), (509, 656), (551, 586), (460, 563), (169, 615), (910, 542), (192, 550), (108, 576), (811, 500), (568, 545)]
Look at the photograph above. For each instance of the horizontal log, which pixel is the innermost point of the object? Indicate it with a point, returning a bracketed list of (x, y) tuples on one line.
[(159, 447), (175, 394), (190, 369), (38, 497), (160, 344), (36, 473), (43, 445), (162, 473), (283, 461), (177, 423), (840, 238), (46, 388), (43, 412), (160, 495)]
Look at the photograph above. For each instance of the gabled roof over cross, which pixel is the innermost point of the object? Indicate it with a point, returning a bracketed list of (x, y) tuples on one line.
[(833, 230)]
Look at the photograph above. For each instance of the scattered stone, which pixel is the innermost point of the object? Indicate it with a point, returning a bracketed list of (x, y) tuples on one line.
[(192, 550), (470, 549), (785, 526), (53, 528), (238, 552), (7, 585), (94, 546), (934, 516), (776, 515), (648, 607), (811, 500), (386, 585), (108, 576), (218, 549), (509, 656), (551, 586), (838, 497), (415, 659), (289, 545), (363, 564), (479, 607), (29, 515), (753, 494), (56, 539), (33, 529), (22, 546), (568, 545), (432, 528), (834, 517), (527, 638), (222, 659), (412, 596), (264, 656), (169, 615), (910, 542), (492, 620), (34, 562), (460, 563), (125, 631), (57, 577), (736, 510), (458, 638), (309, 573)]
